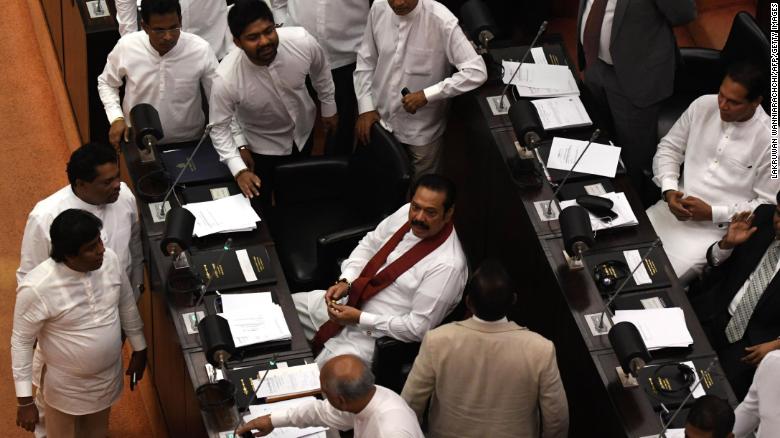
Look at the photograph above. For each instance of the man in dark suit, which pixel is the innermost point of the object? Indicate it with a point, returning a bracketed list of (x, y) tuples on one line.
[(738, 302), (628, 52)]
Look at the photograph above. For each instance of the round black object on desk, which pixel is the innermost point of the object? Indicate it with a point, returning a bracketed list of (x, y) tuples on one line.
[(179, 223), (215, 336), (575, 227)]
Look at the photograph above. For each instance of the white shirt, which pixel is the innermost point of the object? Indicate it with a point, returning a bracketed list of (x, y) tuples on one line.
[(386, 416), (77, 319), (171, 83), (338, 25), (761, 406), (121, 231), (417, 301), (727, 164), (605, 36), (415, 51), (718, 257), (271, 103), (205, 18)]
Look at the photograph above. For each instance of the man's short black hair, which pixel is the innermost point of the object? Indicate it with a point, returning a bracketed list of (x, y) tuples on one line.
[(245, 12), (159, 7), (437, 183), (712, 414), (85, 159), (70, 230), (490, 291), (750, 75), (777, 198)]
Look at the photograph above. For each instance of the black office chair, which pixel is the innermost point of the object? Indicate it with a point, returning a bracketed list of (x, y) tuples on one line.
[(701, 70), (325, 205)]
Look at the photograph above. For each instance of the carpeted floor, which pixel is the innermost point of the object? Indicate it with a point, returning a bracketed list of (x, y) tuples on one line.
[(37, 139)]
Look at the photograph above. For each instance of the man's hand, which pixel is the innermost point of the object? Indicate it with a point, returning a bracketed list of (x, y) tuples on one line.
[(343, 315), (414, 101), (249, 183), (118, 131), (740, 230), (262, 424), (27, 415), (673, 198), (363, 126), (336, 292), (137, 366), (757, 352), (246, 156), (331, 124), (700, 210)]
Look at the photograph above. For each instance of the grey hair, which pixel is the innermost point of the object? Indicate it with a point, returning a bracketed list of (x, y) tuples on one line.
[(352, 389)]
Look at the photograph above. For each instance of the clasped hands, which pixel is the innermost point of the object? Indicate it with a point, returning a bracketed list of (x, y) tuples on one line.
[(687, 208), (340, 314)]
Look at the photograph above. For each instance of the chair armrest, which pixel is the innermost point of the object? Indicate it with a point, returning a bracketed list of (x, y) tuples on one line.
[(393, 361), (701, 71), (334, 247), (310, 179)]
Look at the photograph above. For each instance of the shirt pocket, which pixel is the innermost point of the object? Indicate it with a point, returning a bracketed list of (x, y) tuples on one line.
[(419, 61)]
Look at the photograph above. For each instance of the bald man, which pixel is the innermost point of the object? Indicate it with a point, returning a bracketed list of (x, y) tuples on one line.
[(353, 402)]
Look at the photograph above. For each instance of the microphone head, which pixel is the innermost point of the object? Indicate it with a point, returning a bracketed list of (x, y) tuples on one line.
[(628, 345), (576, 229), (228, 243), (179, 223), (595, 135), (524, 122), (405, 91), (543, 26), (146, 124)]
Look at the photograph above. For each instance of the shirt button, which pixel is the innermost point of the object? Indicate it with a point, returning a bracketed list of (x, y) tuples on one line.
[(368, 332)]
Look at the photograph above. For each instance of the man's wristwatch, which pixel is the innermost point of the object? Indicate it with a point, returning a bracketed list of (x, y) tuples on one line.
[(663, 195), (344, 280), (241, 148)]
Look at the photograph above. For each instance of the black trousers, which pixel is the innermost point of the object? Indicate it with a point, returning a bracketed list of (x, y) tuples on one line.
[(344, 141), (739, 374), (265, 169)]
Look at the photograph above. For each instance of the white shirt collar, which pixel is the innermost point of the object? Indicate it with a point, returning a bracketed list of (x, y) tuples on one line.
[(499, 321)]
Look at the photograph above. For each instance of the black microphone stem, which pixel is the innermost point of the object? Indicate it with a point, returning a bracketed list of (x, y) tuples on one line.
[(184, 168), (539, 33), (568, 174)]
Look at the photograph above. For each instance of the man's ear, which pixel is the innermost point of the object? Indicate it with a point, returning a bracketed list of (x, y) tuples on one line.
[(448, 214), (236, 42)]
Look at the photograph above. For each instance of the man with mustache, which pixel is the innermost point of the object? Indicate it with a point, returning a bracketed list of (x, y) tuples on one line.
[(76, 304), (161, 66), (261, 111), (93, 174), (739, 301), (413, 44), (401, 280)]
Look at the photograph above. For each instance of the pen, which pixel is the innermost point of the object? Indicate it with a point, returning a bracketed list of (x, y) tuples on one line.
[(133, 380)]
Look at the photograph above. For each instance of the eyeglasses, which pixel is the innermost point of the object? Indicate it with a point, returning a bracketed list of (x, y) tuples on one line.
[(161, 32)]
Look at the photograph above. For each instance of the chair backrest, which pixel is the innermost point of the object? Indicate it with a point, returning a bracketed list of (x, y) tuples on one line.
[(380, 174), (746, 41)]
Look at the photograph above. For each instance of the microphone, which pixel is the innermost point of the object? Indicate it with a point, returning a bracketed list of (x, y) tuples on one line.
[(147, 129), (404, 92), (548, 211), (186, 165), (577, 234), (205, 286), (614, 295), (685, 400), (253, 397), (539, 33)]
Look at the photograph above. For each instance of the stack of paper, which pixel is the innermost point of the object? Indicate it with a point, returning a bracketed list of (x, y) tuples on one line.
[(286, 432), (621, 207), (660, 328), (600, 159), (561, 112), (541, 80), (254, 318), (281, 382), (225, 215)]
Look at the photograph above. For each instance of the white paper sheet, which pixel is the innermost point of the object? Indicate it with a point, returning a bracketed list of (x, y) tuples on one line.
[(245, 302), (621, 207), (290, 380), (246, 265), (633, 258), (562, 112), (660, 328), (263, 324), (224, 215), (537, 53), (562, 81), (600, 159)]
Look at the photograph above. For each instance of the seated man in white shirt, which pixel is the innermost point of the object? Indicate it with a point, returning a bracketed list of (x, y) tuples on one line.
[(413, 44), (261, 111), (761, 408), (204, 18), (352, 402), (723, 142), (76, 304), (338, 26), (710, 417), (402, 279), (161, 66)]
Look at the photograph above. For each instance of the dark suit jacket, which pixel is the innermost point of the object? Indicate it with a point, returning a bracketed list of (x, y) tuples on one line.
[(643, 46), (725, 281)]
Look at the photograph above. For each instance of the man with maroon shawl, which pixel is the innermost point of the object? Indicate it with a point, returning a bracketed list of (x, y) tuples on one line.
[(401, 280)]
